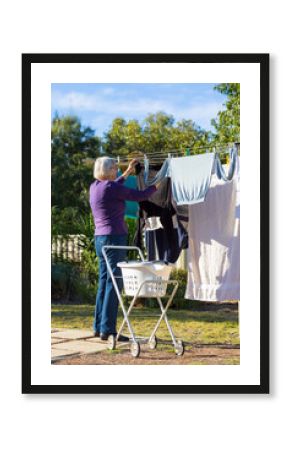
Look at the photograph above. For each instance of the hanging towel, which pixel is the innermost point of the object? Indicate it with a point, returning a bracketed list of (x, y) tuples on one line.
[(132, 208), (214, 244), (159, 176), (219, 169), (190, 178)]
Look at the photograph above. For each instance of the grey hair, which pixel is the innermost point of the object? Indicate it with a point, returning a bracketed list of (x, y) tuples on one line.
[(103, 167)]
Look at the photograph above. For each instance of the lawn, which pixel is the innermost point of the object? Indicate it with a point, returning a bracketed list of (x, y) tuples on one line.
[(219, 324)]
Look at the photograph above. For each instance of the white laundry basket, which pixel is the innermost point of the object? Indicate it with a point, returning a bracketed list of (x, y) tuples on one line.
[(136, 272)]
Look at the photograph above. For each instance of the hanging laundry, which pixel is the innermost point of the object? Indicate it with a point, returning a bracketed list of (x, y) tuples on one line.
[(219, 169), (152, 223), (159, 205), (190, 177), (164, 246), (181, 213), (149, 180), (214, 244), (132, 208)]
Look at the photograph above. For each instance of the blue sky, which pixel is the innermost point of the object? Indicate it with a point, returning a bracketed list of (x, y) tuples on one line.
[(98, 104)]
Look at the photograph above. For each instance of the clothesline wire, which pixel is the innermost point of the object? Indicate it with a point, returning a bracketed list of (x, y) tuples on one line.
[(218, 148), (226, 146), (164, 155)]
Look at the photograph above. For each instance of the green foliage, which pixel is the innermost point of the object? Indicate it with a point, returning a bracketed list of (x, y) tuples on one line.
[(75, 282), (179, 302), (70, 280), (89, 265), (123, 137), (63, 277), (179, 275), (71, 146), (131, 224), (70, 221), (157, 133), (64, 221), (227, 124)]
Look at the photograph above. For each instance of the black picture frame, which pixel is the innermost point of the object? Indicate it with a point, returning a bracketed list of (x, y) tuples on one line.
[(263, 61)]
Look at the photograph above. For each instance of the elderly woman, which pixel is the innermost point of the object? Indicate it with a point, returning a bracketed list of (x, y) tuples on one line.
[(107, 200)]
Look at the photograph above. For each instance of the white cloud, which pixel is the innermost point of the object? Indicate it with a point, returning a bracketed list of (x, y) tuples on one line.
[(88, 102), (103, 106), (108, 91), (73, 100), (201, 113)]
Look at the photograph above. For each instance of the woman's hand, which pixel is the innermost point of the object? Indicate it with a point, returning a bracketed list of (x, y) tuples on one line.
[(130, 168), (132, 164)]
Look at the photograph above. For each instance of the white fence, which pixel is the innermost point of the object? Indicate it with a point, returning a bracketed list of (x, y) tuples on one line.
[(70, 248), (67, 247)]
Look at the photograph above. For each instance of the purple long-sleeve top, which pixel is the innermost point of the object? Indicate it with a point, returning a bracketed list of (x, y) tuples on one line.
[(107, 200)]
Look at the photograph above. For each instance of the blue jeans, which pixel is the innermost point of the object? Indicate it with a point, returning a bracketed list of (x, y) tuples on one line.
[(107, 301)]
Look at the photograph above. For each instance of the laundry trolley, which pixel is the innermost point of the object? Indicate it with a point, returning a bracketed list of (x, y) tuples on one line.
[(147, 279)]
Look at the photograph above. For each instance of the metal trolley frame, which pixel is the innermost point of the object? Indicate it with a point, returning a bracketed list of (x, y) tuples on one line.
[(134, 341)]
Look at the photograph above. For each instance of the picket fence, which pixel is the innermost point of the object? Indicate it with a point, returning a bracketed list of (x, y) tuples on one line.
[(70, 248), (67, 247)]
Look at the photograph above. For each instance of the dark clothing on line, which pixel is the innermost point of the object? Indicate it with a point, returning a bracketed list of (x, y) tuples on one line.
[(169, 240)]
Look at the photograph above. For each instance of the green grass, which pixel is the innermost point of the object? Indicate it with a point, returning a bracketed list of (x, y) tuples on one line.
[(234, 361), (218, 325)]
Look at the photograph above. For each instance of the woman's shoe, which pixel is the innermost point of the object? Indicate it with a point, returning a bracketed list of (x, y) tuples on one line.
[(121, 338), (104, 336)]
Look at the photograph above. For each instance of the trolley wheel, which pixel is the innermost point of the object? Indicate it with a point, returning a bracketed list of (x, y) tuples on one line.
[(135, 349), (111, 342), (153, 343), (179, 348)]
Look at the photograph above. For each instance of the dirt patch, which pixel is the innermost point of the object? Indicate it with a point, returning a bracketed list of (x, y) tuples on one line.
[(193, 355)]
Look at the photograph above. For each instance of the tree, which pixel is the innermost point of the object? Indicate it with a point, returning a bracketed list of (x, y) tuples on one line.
[(227, 124), (123, 138), (71, 172), (115, 142), (189, 135), (158, 133)]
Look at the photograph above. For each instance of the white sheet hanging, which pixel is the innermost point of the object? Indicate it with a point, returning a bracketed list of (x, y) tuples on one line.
[(214, 244)]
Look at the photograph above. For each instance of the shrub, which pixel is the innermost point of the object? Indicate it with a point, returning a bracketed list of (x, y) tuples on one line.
[(63, 274), (70, 282), (75, 281)]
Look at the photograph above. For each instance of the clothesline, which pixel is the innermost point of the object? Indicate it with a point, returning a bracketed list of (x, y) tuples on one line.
[(160, 156), (196, 208)]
